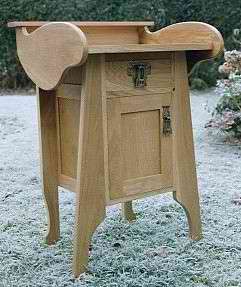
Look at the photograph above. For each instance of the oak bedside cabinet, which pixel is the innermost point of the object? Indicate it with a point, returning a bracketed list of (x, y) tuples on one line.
[(114, 115)]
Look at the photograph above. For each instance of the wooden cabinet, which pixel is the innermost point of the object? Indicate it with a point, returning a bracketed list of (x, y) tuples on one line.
[(114, 116)]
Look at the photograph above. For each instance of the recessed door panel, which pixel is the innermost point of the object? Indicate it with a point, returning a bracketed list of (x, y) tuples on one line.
[(139, 154)]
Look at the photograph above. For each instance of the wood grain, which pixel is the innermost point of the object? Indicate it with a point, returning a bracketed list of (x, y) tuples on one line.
[(185, 178), (68, 182), (69, 110), (49, 160), (142, 48), (138, 159), (119, 83), (47, 53), (84, 23), (190, 34), (127, 211), (90, 201), (100, 135)]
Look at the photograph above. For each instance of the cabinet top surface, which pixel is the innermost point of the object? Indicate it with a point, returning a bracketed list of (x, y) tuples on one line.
[(83, 24)]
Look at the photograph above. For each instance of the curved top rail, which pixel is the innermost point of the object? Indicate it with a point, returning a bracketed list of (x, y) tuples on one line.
[(84, 23), (196, 33), (50, 51)]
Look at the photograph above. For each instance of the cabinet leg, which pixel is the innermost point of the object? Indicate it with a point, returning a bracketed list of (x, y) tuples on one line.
[(49, 162), (192, 211), (86, 223), (90, 192), (127, 211), (185, 178)]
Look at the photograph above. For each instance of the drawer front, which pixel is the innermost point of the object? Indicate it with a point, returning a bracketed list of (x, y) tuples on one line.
[(139, 151), (122, 77)]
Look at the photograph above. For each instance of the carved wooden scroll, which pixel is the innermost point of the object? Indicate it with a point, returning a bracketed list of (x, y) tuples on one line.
[(50, 51), (192, 33)]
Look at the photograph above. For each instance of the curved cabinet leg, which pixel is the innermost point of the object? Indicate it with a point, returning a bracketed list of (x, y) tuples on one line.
[(185, 178), (191, 207), (90, 192), (88, 217), (49, 161), (127, 211)]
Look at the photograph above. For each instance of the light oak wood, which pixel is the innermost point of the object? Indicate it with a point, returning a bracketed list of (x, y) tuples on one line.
[(69, 91), (102, 136), (47, 53), (70, 45), (185, 178), (127, 57), (90, 201), (84, 23), (118, 82), (127, 211), (74, 76), (68, 182), (140, 48), (68, 110), (98, 33), (190, 34), (49, 160), (140, 195), (139, 155)]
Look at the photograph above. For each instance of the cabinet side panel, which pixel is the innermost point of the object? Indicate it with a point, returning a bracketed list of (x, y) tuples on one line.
[(68, 114)]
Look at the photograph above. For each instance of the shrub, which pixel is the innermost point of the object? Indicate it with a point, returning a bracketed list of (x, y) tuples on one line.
[(227, 114), (163, 12)]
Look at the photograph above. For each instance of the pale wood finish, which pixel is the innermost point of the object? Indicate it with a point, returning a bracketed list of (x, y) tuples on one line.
[(119, 83), (98, 33), (140, 48), (137, 56), (190, 34), (68, 133), (90, 201), (67, 182), (74, 76), (102, 137), (127, 211), (185, 178), (69, 91), (84, 23), (140, 195), (68, 111), (61, 46), (47, 53), (49, 160), (139, 156)]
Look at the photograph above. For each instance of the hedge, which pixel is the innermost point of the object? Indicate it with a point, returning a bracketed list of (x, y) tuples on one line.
[(225, 15)]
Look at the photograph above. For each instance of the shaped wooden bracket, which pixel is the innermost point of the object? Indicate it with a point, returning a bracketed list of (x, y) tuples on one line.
[(191, 34), (50, 51)]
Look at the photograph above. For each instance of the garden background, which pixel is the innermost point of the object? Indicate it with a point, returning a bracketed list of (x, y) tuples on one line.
[(224, 15), (155, 250)]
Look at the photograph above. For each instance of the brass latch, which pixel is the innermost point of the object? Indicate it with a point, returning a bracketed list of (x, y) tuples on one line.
[(139, 72), (166, 117)]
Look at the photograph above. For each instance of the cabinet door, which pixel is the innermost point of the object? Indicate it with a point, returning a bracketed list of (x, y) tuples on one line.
[(139, 153)]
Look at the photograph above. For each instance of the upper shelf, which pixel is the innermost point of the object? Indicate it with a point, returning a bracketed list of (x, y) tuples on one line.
[(127, 37), (84, 24), (47, 50), (138, 48)]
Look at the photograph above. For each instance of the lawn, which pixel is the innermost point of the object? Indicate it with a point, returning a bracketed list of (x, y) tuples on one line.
[(152, 251)]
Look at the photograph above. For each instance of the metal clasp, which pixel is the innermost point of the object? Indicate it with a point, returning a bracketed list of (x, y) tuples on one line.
[(167, 124), (139, 72)]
